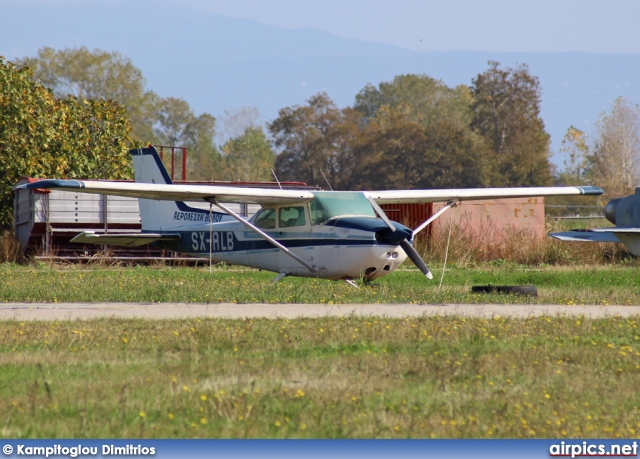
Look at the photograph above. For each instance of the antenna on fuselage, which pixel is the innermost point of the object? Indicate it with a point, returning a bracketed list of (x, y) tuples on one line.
[(325, 179), (276, 177)]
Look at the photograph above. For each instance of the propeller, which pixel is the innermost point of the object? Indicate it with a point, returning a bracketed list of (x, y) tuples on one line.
[(404, 242), (415, 257)]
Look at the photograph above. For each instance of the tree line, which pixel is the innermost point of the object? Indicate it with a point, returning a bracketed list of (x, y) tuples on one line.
[(611, 159), (74, 113), (81, 74), (416, 132), (45, 136)]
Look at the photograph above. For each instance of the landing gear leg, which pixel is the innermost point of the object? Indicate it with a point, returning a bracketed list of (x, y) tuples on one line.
[(351, 283), (279, 277)]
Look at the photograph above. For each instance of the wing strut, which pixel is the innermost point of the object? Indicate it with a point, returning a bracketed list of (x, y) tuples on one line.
[(448, 206), (379, 211), (250, 225)]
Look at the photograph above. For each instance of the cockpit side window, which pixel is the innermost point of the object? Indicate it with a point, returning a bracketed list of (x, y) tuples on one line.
[(318, 212), (291, 216), (265, 219)]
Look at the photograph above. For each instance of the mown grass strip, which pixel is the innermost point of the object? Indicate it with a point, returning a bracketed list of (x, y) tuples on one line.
[(593, 285), (346, 377)]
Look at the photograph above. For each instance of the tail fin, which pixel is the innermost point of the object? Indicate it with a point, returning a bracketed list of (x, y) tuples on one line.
[(163, 215), (148, 167)]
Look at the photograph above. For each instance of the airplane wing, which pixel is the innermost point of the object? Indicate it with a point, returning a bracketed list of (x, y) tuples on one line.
[(468, 194), (175, 192), (172, 192)]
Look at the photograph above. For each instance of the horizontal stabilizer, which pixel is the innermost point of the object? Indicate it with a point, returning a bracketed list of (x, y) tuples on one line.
[(630, 237), (126, 240), (585, 235)]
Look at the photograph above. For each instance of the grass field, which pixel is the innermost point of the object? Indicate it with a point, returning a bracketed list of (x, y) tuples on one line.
[(556, 285), (344, 377), (322, 378)]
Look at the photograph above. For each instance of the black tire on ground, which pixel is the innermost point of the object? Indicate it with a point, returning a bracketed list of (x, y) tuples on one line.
[(525, 290)]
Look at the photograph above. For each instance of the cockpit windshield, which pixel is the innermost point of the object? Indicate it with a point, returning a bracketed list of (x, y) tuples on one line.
[(329, 204)]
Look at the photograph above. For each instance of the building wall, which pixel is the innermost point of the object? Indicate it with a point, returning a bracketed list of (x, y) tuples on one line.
[(491, 219)]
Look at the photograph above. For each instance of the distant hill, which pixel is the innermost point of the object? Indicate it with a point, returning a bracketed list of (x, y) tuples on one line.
[(219, 63)]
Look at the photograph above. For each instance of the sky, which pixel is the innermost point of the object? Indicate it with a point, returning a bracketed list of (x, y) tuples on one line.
[(488, 26), (452, 25), (437, 25)]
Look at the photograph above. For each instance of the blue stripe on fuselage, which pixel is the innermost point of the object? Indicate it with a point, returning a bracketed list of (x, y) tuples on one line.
[(227, 241), (363, 223), (226, 238), (384, 234)]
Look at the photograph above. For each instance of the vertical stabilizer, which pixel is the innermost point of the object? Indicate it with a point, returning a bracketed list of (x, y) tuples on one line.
[(162, 215)]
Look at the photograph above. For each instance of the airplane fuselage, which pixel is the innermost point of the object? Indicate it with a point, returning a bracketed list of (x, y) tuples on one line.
[(341, 248)]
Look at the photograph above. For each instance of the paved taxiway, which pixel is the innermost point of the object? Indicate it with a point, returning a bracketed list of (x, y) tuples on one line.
[(83, 311)]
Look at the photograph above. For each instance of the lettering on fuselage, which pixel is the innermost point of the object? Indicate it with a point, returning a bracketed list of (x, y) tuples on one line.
[(196, 217), (221, 241)]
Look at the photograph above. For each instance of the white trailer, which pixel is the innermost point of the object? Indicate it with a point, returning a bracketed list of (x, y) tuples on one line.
[(46, 220)]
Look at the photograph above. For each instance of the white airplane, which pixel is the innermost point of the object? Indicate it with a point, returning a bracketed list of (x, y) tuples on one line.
[(339, 235), (622, 212)]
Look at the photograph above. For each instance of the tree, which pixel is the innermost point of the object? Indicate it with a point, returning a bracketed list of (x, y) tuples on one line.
[(344, 159), (428, 101), (396, 152), (391, 154), (506, 111), (306, 135), (43, 136), (234, 123), (614, 163), (394, 145), (248, 157), (177, 125), (97, 74), (574, 146), (422, 128), (93, 75)]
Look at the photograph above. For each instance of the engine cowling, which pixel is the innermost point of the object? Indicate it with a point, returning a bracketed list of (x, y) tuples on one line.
[(610, 210), (624, 212)]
